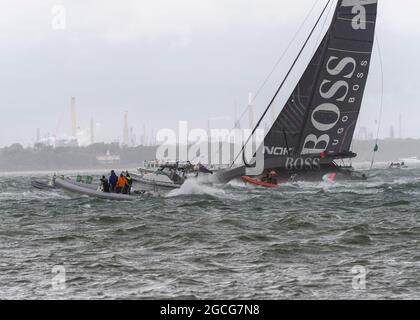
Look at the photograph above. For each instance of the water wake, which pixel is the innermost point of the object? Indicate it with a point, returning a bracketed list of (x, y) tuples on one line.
[(197, 187)]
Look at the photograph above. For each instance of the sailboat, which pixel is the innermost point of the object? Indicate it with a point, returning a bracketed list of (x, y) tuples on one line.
[(315, 128)]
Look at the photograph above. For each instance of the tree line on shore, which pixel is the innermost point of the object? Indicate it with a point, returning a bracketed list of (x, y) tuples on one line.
[(41, 157)]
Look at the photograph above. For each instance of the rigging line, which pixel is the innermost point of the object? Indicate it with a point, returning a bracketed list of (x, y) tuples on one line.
[(321, 31), (381, 101), (280, 59), (282, 83), (238, 121)]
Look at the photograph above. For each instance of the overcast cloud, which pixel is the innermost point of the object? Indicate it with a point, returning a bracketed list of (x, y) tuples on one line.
[(165, 60)]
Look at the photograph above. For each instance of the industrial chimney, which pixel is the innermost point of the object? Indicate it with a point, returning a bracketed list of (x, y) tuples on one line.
[(400, 127), (73, 117), (92, 131), (125, 130)]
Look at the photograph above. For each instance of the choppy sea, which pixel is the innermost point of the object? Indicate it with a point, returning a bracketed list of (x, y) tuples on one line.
[(350, 240)]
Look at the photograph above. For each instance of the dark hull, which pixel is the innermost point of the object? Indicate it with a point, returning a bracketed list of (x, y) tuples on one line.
[(316, 175), (310, 175)]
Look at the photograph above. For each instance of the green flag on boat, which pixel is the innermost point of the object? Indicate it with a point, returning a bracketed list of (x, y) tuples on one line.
[(376, 149)]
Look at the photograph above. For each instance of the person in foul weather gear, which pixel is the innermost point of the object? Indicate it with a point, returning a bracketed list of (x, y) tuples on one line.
[(127, 188), (121, 183), (272, 177), (113, 179), (266, 176), (176, 178), (105, 184), (189, 167)]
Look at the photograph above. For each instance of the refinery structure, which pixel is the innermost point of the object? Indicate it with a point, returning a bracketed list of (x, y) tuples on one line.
[(81, 136)]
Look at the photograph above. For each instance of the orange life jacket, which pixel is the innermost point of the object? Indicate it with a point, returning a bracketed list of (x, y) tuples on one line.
[(122, 181)]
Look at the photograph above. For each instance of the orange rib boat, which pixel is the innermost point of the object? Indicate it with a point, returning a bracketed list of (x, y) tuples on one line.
[(259, 183)]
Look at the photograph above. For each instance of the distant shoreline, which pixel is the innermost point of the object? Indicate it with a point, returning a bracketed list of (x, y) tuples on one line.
[(18, 160), (66, 171)]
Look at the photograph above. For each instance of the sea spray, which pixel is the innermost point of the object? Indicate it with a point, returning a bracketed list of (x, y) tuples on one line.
[(196, 187)]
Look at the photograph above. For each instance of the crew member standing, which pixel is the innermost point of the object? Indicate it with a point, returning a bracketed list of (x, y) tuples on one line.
[(127, 189), (105, 184), (121, 184), (113, 179)]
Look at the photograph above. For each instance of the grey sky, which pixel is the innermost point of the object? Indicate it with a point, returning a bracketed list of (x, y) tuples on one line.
[(165, 60)]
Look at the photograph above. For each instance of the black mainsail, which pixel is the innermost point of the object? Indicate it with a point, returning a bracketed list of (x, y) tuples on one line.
[(321, 113), (319, 118), (333, 112)]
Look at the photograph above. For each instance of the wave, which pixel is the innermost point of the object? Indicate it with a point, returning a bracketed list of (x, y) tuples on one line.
[(32, 195), (196, 187)]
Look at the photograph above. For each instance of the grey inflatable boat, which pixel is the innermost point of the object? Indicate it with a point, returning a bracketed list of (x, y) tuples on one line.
[(68, 185)]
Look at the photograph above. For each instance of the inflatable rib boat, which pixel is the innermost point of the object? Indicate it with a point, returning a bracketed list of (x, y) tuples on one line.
[(260, 183), (92, 191)]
